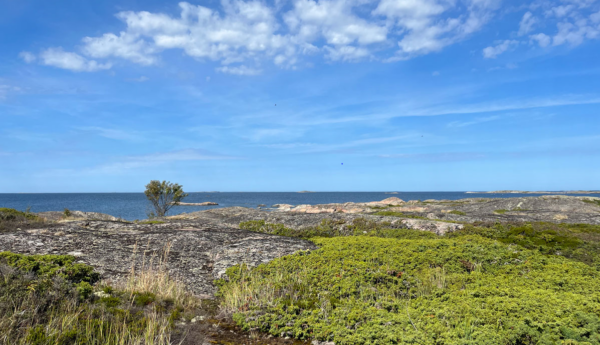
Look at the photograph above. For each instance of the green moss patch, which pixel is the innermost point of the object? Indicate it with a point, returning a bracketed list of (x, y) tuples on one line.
[(459, 213), (152, 222), (464, 290)]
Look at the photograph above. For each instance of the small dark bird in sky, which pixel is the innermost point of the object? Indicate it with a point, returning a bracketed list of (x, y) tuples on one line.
[(342, 163)]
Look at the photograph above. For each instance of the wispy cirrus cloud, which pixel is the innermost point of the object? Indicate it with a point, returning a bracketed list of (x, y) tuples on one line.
[(473, 121), (437, 156), (112, 133), (128, 163)]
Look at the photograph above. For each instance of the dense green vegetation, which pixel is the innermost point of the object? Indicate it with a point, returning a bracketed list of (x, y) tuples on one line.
[(464, 290), (580, 242), (49, 300), (489, 283)]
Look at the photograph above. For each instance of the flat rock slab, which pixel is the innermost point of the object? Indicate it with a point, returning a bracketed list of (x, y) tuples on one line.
[(199, 251), (233, 216)]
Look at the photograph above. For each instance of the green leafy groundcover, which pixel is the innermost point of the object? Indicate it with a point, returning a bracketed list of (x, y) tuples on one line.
[(50, 266), (467, 290)]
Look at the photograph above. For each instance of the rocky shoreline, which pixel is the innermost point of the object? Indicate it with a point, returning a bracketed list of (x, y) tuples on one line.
[(204, 243)]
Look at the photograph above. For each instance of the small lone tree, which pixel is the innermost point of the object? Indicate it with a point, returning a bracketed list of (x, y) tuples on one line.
[(162, 196)]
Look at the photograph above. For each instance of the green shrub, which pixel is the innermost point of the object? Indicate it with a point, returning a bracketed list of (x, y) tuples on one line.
[(463, 290), (12, 214), (50, 266), (575, 241), (501, 211), (327, 228), (11, 220)]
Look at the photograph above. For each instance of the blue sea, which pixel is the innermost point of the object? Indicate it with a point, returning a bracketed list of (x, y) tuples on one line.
[(131, 206)]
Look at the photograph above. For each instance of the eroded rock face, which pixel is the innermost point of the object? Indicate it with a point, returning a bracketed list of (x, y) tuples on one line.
[(199, 251)]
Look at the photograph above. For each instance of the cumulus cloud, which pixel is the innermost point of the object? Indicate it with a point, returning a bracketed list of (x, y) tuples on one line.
[(246, 32), (127, 46), (27, 57), (542, 39), (241, 35), (334, 22), (493, 51), (428, 25), (576, 21), (57, 57)]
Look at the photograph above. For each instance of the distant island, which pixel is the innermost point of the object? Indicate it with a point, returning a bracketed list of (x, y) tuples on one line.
[(538, 192), (305, 191)]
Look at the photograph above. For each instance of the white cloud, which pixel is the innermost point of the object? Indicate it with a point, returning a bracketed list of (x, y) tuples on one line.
[(542, 39), (238, 70), (426, 26), (246, 32), (245, 29), (347, 53), (574, 33), (27, 57), (127, 46), (527, 23), (576, 21), (334, 22), (57, 57), (493, 52)]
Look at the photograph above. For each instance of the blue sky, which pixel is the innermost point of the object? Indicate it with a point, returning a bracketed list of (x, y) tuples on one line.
[(428, 95)]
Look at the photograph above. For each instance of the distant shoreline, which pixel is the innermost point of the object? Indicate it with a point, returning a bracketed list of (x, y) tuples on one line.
[(536, 192)]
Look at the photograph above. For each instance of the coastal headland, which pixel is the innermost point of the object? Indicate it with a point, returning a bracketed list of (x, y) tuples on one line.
[(206, 245)]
